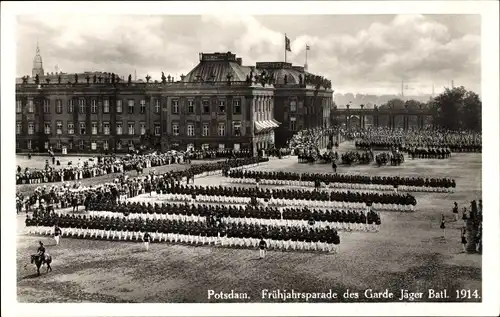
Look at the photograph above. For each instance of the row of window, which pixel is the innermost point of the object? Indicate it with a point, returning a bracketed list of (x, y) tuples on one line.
[(105, 145), (106, 130), (81, 145), (130, 106), (293, 107)]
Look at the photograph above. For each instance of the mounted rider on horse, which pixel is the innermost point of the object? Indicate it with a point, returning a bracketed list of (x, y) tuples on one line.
[(41, 252), (41, 258)]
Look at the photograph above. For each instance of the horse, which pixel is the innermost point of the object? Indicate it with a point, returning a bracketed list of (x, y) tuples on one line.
[(35, 258)]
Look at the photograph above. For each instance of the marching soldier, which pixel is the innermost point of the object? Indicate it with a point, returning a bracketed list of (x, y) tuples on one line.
[(146, 238), (57, 233), (463, 240), (262, 248), (464, 216), (455, 210), (442, 226)]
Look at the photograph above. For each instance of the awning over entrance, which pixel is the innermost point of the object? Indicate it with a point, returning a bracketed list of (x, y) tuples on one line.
[(266, 125)]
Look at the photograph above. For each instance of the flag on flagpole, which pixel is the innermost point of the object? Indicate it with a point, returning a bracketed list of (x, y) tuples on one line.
[(308, 48), (287, 44)]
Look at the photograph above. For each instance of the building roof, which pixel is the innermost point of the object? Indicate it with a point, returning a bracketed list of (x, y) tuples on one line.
[(65, 77), (279, 69), (216, 67), (291, 74)]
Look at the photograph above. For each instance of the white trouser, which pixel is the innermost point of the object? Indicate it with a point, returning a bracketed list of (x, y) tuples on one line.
[(262, 253), (57, 239)]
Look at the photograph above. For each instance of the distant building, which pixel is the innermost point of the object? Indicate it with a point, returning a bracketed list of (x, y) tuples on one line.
[(37, 64), (219, 104)]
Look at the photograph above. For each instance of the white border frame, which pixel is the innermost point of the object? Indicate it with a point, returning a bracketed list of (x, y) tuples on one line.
[(490, 53)]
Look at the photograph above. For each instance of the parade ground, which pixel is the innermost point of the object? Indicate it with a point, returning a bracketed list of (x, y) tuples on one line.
[(408, 252)]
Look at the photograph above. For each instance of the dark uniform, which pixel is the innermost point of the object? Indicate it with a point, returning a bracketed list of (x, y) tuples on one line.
[(442, 226), (262, 247), (147, 239), (41, 252), (57, 234)]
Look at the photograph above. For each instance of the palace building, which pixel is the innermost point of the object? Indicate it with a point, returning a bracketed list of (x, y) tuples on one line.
[(219, 104)]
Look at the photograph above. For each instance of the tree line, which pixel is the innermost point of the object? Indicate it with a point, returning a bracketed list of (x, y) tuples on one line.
[(454, 109)]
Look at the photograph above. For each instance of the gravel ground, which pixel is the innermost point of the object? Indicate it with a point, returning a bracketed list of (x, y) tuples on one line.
[(408, 253)]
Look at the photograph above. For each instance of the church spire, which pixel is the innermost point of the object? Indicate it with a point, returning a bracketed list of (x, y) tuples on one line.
[(37, 63)]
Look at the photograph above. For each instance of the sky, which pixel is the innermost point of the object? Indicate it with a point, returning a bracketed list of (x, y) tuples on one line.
[(370, 54)]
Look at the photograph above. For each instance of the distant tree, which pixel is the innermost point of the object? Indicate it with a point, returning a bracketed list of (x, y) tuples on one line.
[(457, 109), (394, 104), (148, 78), (129, 78), (472, 112), (37, 79), (47, 80), (414, 104)]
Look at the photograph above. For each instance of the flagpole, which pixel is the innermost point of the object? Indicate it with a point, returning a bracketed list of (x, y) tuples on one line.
[(285, 47), (306, 54)]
